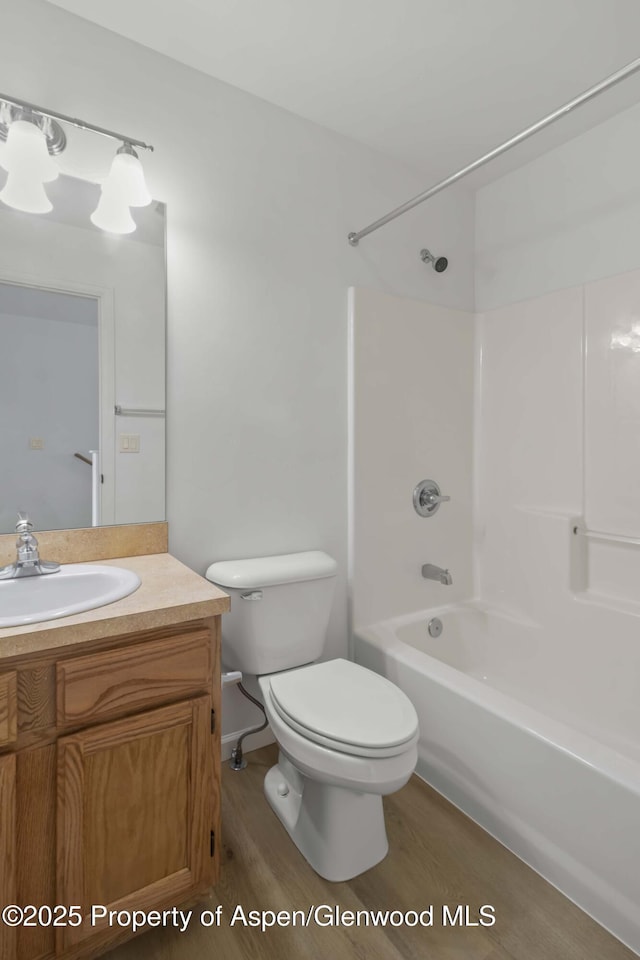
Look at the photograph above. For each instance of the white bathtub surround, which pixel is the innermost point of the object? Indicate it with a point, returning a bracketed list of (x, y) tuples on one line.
[(411, 418), (518, 748), (558, 449), (530, 437), (612, 468), (529, 701), (559, 420)]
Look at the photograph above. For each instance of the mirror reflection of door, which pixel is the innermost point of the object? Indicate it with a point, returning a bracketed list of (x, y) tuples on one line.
[(49, 405), (52, 267)]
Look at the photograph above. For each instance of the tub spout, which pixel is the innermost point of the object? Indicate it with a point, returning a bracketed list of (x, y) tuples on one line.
[(431, 572)]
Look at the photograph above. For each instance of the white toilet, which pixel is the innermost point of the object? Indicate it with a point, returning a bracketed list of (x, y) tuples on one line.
[(347, 736)]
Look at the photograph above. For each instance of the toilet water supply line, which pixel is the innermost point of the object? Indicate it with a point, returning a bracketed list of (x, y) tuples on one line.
[(237, 761)]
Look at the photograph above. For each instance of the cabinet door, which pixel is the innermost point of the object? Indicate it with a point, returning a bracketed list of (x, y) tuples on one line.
[(135, 809), (7, 850)]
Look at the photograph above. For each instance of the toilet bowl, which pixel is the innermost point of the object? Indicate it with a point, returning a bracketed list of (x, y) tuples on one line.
[(326, 791), (346, 735)]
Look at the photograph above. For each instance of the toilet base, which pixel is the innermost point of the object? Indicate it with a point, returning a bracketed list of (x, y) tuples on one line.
[(340, 832)]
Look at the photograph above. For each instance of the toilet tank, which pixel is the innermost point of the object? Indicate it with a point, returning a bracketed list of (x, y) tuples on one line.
[(280, 609)]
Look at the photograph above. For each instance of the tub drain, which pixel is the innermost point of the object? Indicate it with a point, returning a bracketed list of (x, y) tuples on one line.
[(435, 627)]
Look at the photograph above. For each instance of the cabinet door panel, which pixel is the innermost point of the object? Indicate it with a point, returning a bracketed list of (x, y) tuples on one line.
[(7, 850), (157, 773), (135, 807), (35, 845)]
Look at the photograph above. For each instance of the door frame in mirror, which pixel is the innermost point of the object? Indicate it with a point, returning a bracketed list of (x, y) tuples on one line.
[(106, 374)]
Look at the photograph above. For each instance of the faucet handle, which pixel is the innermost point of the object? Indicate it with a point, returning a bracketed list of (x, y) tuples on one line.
[(24, 524), (436, 498), (427, 498)]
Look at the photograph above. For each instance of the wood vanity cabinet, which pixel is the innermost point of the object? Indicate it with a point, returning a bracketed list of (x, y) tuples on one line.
[(109, 782)]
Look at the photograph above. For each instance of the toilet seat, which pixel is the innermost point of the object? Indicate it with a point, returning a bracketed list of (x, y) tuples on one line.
[(345, 707)]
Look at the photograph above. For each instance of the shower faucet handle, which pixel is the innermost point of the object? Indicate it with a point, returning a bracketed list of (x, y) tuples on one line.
[(435, 498), (427, 498)]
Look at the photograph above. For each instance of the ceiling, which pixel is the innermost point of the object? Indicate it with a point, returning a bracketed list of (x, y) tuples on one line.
[(432, 83)]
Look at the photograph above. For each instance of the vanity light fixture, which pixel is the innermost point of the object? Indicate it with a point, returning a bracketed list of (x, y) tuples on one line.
[(27, 160), (124, 188), (33, 137), (112, 214), (127, 178)]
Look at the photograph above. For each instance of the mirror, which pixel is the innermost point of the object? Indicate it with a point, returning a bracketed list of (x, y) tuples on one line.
[(82, 364)]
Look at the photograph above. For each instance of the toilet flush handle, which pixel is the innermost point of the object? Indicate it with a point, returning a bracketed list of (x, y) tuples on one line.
[(252, 595)]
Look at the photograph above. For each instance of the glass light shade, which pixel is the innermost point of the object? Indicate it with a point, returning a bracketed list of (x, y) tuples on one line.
[(126, 179), (26, 153), (112, 214), (25, 193)]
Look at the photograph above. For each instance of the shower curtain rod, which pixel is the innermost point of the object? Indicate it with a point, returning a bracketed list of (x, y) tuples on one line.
[(622, 74)]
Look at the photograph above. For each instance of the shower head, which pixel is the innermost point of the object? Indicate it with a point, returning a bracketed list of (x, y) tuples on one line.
[(439, 264)]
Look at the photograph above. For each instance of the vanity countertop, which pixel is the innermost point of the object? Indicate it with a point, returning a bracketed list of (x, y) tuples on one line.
[(169, 593)]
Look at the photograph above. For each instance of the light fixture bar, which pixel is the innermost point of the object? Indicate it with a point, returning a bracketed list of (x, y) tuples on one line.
[(81, 124), (610, 81)]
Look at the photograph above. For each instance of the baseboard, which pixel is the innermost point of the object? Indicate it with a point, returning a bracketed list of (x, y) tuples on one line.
[(252, 742)]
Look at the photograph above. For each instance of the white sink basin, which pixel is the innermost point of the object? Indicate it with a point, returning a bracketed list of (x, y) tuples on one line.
[(76, 587)]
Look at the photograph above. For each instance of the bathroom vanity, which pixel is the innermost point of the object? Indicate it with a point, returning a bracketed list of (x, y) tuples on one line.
[(110, 761)]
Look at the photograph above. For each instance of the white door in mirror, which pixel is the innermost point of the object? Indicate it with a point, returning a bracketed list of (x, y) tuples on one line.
[(77, 587)]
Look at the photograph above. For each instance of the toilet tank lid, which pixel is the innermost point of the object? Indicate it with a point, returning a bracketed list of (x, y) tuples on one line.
[(271, 571)]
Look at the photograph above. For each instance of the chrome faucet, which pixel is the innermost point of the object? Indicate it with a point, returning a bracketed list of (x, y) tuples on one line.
[(28, 562), (431, 572)]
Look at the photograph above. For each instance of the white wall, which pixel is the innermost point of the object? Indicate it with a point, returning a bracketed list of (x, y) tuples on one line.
[(567, 218), (411, 420), (259, 203)]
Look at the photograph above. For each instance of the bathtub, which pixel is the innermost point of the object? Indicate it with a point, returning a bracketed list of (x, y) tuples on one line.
[(508, 734)]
